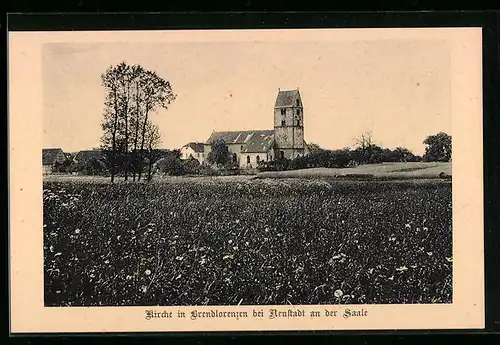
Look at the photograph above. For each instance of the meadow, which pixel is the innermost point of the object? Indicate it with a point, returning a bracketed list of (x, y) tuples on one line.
[(230, 241)]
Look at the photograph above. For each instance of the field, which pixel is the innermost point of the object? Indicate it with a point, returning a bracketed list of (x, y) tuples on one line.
[(414, 170), (229, 241)]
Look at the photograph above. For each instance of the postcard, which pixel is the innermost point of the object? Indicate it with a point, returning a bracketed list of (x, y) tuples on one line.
[(246, 180)]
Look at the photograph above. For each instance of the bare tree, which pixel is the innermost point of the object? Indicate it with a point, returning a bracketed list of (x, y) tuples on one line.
[(365, 140)]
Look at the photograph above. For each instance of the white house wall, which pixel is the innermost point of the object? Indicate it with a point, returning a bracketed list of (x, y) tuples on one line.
[(187, 152)]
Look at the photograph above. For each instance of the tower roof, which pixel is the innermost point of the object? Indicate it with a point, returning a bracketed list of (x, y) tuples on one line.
[(287, 98)]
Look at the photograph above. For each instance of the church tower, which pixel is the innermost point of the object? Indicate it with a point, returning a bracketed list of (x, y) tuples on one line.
[(289, 125)]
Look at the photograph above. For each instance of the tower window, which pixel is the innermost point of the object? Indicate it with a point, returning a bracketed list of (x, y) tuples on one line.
[(298, 123), (297, 102), (283, 111), (282, 122), (282, 154), (235, 158), (258, 159), (241, 147), (248, 159), (298, 111)]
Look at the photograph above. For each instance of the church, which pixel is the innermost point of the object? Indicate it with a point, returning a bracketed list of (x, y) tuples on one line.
[(285, 141)]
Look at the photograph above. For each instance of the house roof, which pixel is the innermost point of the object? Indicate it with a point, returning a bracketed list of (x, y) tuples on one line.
[(287, 98), (197, 147), (86, 155), (236, 137), (49, 156), (259, 142)]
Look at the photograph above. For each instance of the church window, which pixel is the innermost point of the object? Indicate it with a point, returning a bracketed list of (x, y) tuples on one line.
[(283, 111), (241, 148), (283, 122), (258, 159), (282, 154), (235, 158), (298, 111), (248, 159)]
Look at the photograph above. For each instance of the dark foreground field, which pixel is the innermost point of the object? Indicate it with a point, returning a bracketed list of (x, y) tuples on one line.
[(214, 242)]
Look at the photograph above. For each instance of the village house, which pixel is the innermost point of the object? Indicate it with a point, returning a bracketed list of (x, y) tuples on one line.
[(51, 158), (285, 141), (84, 156), (193, 150)]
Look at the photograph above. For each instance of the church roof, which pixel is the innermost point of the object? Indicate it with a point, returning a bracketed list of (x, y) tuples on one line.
[(287, 98), (237, 137), (259, 142)]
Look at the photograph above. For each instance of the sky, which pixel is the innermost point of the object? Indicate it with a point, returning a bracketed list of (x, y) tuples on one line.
[(399, 90)]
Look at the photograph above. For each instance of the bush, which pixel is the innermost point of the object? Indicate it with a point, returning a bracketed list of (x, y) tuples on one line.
[(191, 166), (170, 165)]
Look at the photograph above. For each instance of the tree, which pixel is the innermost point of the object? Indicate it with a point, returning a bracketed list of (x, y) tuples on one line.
[(366, 149), (157, 93), (314, 148), (438, 148), (110, 80), (219, 154), (153, 139), (170, 164), (94, 167), (132, 95)]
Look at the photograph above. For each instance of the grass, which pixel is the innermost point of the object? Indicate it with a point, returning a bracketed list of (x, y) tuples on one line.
[(228, 241)]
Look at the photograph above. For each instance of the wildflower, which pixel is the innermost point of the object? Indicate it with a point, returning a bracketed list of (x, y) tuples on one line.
[(77, 231), (147, 272), (338, 293)]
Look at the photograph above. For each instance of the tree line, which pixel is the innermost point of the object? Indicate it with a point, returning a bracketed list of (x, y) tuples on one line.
[(130, 138), (438, 149)]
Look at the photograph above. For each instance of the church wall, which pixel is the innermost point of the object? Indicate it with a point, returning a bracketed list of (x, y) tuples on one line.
[(263, 156)]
